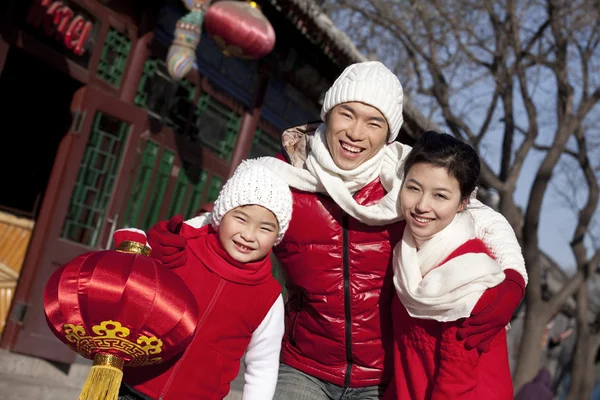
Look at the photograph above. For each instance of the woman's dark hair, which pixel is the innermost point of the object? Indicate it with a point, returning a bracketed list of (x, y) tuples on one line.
[(445, 151)]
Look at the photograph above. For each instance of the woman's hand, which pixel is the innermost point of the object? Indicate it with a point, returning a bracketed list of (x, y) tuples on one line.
[(493, 312)]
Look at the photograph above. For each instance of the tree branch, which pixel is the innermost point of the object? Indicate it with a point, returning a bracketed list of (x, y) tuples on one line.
[(565, 292), (587, 212), (532, 131), (548, 148)]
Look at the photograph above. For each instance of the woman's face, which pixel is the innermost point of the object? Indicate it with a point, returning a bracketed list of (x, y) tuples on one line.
[(430, 199)]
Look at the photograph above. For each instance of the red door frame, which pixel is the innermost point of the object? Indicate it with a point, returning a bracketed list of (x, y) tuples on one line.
[(47, 250)]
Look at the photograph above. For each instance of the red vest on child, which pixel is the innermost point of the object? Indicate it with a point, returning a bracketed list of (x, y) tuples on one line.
[(233, 300)]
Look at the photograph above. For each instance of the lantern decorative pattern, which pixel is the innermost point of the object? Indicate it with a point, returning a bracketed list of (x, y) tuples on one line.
[(119, 308), (188, 30), (240, 29)]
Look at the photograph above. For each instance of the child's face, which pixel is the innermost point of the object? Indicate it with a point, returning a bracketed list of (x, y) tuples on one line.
[(430, 199), (248, 233)]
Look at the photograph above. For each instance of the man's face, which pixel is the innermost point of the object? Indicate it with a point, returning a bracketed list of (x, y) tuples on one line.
[(355, 133)]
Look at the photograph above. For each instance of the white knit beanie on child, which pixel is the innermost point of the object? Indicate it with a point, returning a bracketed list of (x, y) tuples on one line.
[(371, 83), (253, 184)]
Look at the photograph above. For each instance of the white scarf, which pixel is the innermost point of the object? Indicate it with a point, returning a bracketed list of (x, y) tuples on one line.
[(444, 292), (323, 176)]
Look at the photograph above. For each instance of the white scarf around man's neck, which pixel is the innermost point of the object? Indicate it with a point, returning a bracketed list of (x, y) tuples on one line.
[(443, 292), (320, 174)]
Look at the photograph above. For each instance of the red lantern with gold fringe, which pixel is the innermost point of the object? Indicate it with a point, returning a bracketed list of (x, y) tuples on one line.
[(119, 308), (240, 29)]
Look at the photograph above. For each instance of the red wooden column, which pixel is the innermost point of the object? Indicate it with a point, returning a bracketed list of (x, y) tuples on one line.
[(250, 120), (6, 31), (4, 48), (138, 57)]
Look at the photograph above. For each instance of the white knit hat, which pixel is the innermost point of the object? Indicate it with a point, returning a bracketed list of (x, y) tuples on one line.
[(253, 184), (371, 83)]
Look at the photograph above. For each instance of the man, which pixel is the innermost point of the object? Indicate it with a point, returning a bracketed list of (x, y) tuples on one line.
[(346, 175)]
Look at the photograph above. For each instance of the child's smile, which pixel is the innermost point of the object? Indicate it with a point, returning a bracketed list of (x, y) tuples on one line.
[(247, 233)]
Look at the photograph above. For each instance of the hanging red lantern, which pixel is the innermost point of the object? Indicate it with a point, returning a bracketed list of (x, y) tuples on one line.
[(119, 308), (240, 29)]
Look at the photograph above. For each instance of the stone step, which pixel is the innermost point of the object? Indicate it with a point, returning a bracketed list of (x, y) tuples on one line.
[(26, 378), (74, 375), (17, 387)]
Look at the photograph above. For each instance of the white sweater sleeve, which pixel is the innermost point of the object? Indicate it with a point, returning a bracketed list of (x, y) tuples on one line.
[(262, 356), (200, 220), (499, 236)]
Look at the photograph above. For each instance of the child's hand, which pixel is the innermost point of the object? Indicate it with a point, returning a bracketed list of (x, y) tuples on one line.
[(492, 312), (168, 246)]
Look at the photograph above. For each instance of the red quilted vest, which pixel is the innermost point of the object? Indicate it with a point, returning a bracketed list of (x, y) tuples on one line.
[(339, 282), (230, 313)]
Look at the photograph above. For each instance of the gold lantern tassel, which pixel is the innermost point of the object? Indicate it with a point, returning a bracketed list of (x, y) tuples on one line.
[(104, 379)]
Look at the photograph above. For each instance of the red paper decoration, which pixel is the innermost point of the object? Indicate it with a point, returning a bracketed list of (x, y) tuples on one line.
[(240, 29)]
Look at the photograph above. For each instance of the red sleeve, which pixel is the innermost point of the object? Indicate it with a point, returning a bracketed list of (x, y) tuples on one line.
[(456, 377)]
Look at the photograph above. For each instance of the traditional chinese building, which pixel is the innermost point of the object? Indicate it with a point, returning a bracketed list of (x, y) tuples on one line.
[(98, 136)]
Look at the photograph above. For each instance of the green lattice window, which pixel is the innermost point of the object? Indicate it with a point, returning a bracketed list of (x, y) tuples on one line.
[(197, 192), (227, 144), (145, 86), (264, 144), (141, 184), (95, 180), (113, 57), (156, 89), (216, 125), (213, 188), (181, 187), (181, 105), (159, 188)]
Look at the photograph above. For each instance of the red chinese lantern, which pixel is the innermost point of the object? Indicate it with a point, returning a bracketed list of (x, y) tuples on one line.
[(119, 308), (240, 29)]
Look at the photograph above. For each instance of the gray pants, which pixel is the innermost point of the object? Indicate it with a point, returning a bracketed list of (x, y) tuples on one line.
[(126, 393), (293, 384)]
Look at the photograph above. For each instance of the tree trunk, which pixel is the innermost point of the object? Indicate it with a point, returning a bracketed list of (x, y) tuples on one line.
[(530, 348), (583, 372), (579, 366), (589, 378), (584, 358), (512, 214)]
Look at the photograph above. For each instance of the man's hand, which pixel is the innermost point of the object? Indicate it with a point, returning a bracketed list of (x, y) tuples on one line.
[(492, 312), (168, 246)]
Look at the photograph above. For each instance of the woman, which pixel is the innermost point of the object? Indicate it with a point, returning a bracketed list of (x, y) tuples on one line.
[(441, 271)]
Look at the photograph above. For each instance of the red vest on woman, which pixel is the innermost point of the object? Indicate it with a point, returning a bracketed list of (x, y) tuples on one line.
[(430, 363), (233, 300)]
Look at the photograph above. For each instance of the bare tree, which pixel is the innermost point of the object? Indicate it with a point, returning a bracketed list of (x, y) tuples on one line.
[(522, 72), (588, 325)]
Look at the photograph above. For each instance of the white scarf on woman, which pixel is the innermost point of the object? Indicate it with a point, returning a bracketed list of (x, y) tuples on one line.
[(443, 292), (320, 174)]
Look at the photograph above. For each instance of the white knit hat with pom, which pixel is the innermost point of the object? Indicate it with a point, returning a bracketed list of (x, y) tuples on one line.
[(372, 83), (253, 184)]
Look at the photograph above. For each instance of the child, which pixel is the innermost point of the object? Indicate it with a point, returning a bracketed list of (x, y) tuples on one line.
[(441, 271), (228, 269)]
